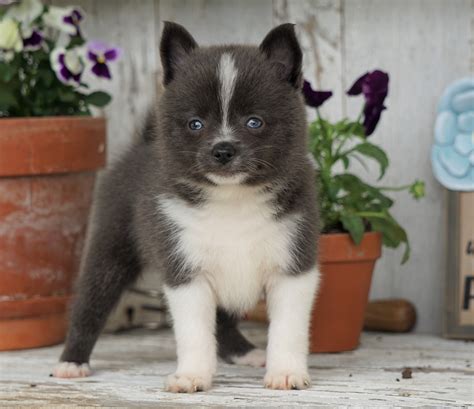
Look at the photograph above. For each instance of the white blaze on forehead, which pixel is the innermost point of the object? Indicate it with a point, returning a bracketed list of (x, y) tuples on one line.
[(227, 73)]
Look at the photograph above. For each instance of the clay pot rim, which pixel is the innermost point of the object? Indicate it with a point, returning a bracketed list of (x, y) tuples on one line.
[(51, 145), (343, 234), (33, 307), (59, 118), (339, 248)]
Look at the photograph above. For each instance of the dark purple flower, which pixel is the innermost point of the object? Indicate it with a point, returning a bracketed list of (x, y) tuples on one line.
[(100, 54), (314, 98), (372, 115), (374, 86), (356, 88), (34, 41), (74, 19)]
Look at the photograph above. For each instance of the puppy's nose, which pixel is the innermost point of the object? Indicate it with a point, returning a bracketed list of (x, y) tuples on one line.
[(223, 152)]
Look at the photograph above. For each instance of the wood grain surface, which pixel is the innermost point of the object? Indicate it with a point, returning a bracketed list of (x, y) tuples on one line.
[(130, 370)]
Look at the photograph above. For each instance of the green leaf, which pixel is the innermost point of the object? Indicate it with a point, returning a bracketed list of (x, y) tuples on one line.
[(7, 98), (358, 130), (342, 126), (7, 72), (374, 152), (345, 161), (333, 190), (67, 95), (75, 41), (98, 99), (354, 225), (392, 233), (364, 195), (46, 76)]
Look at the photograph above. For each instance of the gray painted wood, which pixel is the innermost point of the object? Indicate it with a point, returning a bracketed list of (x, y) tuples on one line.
[(131, 26), (130, 369), (423, 44), (221, 22), (318, 24)]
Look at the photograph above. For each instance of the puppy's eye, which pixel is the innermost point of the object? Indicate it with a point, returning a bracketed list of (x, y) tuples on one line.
[(195, 125), (254, 123)]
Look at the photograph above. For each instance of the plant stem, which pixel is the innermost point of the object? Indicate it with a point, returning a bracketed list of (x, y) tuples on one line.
[(321, 124), (394, 189), (327, 145), (351, 132), (371, 214), (357, 121)]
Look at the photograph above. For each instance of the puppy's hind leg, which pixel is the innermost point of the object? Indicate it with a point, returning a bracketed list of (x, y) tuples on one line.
[(233, 347), (110, 265)]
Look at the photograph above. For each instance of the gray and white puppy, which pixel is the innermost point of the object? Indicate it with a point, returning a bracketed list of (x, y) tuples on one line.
[(219, 197)]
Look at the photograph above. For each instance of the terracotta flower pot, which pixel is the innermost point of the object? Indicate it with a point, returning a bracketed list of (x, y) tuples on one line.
[(47, 173), (346, 274)]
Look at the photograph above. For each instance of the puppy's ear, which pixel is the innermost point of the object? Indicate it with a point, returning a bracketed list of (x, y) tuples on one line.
[(281, 47), (176, 44)]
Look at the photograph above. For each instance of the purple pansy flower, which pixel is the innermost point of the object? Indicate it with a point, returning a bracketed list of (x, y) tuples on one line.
[(100, 54), (74, 19), (314, 98), (65, 19), (66, 72), (374, 86), (68, 65), (33, 41), (372, 115)]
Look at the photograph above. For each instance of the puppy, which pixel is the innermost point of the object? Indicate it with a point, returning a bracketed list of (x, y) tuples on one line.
[(218, 197)]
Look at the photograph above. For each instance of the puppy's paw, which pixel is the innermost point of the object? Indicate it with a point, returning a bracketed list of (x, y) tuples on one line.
[(71, 370), (255, 357), (188, 383), (287, 380)]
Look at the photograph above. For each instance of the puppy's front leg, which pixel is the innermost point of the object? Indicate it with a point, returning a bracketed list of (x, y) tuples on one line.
[(289, 302), (193, 309)]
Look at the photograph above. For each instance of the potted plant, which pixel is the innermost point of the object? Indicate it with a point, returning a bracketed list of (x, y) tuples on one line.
[(50, 149), (356, 218)]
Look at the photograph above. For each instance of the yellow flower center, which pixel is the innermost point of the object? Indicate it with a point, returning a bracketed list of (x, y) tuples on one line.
[(101, 59)]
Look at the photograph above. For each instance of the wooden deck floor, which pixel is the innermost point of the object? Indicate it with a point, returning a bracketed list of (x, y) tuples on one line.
[(130, 369)]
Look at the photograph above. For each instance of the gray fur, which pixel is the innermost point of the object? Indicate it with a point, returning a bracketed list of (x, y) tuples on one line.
[(131, 234), (231, 343)]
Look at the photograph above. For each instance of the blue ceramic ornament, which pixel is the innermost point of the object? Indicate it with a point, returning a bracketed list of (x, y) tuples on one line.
[(452, 155)]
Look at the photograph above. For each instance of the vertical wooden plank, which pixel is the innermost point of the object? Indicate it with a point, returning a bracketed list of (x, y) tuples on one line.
[(466, 258), (318, 23), (424, 45), (221, 22), (472, 37), (131, 26)]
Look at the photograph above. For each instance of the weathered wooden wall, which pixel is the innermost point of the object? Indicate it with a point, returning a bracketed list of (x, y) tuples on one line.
[(423, 44)]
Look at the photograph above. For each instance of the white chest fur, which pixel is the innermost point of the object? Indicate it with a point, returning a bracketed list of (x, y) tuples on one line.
[(233, 240)]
